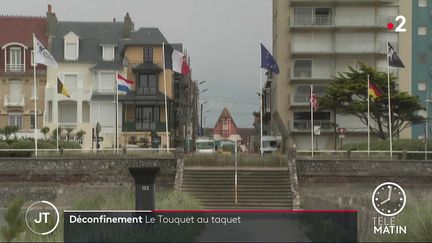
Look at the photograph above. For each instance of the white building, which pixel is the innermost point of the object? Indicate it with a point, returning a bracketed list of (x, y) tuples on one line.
[(313, 40)]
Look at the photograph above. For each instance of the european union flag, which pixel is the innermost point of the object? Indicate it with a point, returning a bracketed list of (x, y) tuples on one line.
[(267, 61)]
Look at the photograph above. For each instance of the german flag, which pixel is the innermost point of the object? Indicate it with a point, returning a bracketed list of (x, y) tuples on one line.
[(61, 88), (374, 90)]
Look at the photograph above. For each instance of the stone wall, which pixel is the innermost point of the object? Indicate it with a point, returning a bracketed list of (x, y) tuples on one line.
[(349, 184), (53, 178)]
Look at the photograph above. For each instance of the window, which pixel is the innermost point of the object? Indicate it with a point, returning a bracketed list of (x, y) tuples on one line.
[(15, 119), (147, 84), (33, 96), (421, 86), (422, 3), (70, 81), (108, 53), (303, 69), (15, 60), (32, 120), (302, 93), (302, 120), (146, 118), (32, 61), (312, 16), (15, 92), (106, 82), (422, 30), (148, 54), (422, 58), (71, 51)]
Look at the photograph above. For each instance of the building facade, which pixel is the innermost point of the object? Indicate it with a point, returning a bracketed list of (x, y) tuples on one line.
[(16, 73), (313, 40)]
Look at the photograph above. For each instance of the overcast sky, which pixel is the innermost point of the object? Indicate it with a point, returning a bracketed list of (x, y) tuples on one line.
[(221, 36)]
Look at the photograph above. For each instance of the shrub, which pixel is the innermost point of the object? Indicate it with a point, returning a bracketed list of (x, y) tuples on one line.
[(21, 144), (45, 145), (15, 220), (45, 131), (4, 145), (68, 145)]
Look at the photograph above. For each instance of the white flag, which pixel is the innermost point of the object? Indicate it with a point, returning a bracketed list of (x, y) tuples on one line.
[(42, 55)]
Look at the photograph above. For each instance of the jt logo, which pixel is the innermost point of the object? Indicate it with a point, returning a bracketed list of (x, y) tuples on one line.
[(44, 215)]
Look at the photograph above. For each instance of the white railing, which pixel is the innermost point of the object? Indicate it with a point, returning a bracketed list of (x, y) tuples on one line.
[(103, 90), (340, 21), (302, 72), (15, 67), (15, 101), (310, 46), (302, 125), (66, 125)]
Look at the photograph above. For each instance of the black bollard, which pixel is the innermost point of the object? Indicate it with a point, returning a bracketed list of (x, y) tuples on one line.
[(144, 187)]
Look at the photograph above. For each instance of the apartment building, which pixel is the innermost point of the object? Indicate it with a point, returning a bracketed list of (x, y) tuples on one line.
[(16, 73), (313, 40), (417, 51)]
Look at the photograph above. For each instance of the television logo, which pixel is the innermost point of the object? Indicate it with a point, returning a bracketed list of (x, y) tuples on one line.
[(401, 21), (42, 218)]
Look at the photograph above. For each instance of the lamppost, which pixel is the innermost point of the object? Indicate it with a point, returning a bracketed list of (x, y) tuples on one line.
[(201, 119), (427, 127)]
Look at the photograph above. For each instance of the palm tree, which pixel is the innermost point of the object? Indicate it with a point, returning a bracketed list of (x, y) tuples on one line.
[(45, 131), (68, 132), (80, 134)]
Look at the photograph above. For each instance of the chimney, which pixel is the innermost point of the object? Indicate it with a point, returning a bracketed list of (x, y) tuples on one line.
[(128, 26), (52, 20)]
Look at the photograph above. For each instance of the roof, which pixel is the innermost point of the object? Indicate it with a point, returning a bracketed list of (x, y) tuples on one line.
[(92, 36), (246, 132), (225, 114), (147, 67), (20, 29), (146, 36)]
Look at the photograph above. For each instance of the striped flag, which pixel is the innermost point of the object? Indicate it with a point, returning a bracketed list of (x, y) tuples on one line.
[(123, 84), (61, 88), (313, 99), (374, 90)]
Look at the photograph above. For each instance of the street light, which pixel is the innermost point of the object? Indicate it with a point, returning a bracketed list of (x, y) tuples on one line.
[(201, 119), (201, 82), (202, 91)]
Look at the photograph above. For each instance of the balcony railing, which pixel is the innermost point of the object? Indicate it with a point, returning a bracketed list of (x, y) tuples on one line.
[(356, 47), (146, 91), (103, 91), (305, 125), (15, 67), (302, 72), (340, 21), (143, 126), (14, 101), (67, 125)]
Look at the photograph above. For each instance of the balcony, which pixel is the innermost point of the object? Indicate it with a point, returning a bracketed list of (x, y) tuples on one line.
[(143, 126), (14, 101), (103, 91), (17, 68), (326, 21), (338, 48), (67, 125), (305, 125)]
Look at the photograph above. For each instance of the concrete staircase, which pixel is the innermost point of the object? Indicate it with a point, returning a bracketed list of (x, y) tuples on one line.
[(259, 188)]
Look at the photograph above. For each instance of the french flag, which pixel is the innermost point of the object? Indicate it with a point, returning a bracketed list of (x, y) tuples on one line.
[(124, 84)]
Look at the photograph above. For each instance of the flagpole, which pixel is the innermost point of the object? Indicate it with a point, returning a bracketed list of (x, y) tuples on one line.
[(117, 121), (165, 91), (261, 114), (57, 113), (389, 104), (312, 121), (368, 114), (35, 100)]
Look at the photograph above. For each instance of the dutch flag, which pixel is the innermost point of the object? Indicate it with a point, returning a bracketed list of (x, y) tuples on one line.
[(124, 84)]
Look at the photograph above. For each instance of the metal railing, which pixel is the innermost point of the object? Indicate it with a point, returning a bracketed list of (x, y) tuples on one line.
[(15, 101), (66, 125), (363, 154), (339, 21), (103, 90), (303, 125), (302, 72), (311, 46), (311, 20), (15, 67)]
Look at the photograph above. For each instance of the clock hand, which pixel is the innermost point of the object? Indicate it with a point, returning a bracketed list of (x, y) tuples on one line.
[(390, 190), (385, 201)]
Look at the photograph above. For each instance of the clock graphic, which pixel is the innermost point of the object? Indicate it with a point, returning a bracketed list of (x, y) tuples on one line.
[(388, 199)]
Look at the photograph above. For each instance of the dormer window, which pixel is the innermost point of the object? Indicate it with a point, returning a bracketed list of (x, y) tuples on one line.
[(108, 52), (15, 57), (71, 46)]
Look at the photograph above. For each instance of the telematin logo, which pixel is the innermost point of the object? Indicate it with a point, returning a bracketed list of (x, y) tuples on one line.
[(388, 199), (42, 218)]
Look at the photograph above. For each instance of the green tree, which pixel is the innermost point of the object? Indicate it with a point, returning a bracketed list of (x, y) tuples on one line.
[(58, 131), (80, 134), (14, 219), (68, 133), (45, 131), (9, 130), (348, 94)]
